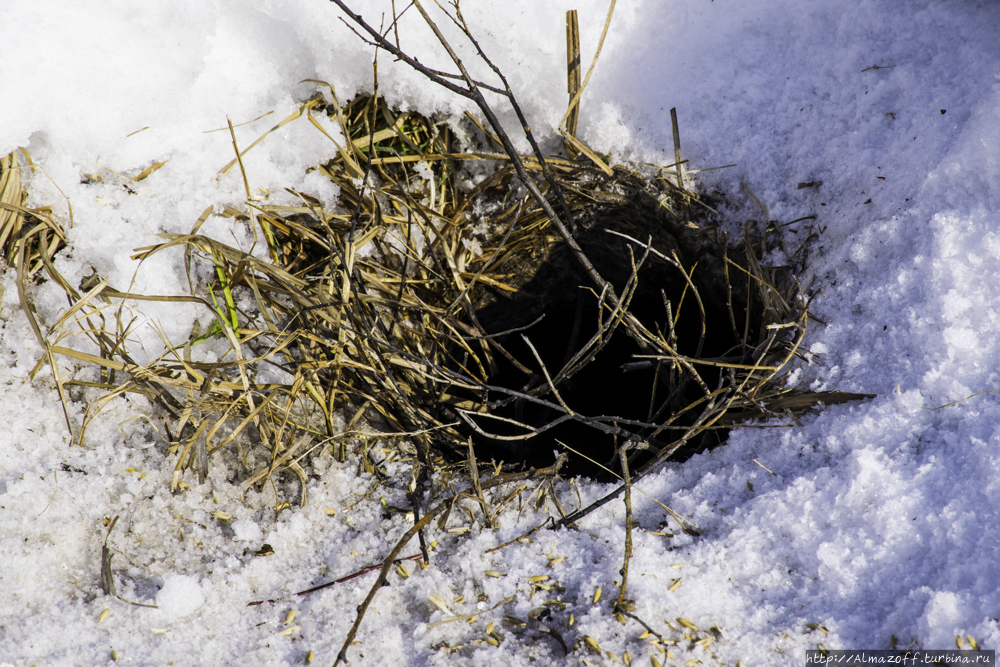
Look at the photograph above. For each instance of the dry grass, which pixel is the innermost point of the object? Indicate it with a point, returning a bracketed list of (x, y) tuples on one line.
[(371, 308)]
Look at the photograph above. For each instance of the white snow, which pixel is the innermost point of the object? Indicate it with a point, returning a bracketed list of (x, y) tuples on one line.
[(180, 596), (246, 530), (880, 518)]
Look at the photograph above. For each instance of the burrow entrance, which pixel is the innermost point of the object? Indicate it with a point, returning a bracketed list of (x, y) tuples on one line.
[(452, 315), (556, 309)]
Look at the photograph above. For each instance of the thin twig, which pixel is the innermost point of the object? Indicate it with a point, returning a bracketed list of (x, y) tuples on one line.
[(518, 538), (548, 378), (353, 575)]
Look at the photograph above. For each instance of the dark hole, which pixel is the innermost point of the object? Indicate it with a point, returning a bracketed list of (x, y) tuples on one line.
[(618, 383)]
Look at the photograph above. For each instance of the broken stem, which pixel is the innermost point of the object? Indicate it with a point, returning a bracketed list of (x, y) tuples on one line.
[(623, 458)]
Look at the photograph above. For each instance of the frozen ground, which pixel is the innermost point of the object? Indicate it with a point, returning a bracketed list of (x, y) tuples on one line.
[(880, 519)]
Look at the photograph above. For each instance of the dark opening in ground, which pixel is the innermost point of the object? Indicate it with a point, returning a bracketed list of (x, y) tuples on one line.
[(617, 383)]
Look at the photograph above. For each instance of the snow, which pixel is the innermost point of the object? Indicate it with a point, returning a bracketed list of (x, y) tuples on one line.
[(180, 596), (246, 530), (879, 519)]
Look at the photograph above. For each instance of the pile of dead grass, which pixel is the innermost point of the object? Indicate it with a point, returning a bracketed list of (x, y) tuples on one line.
[(371, 308)]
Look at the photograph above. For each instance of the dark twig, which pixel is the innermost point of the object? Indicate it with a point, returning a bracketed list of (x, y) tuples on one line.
[(519, 537), (543, 163), (641, 622), (353, 575)]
